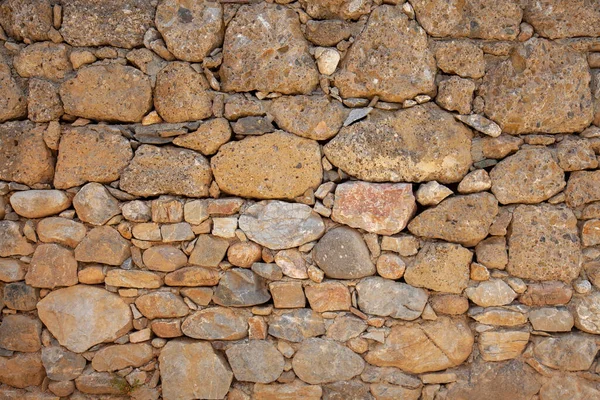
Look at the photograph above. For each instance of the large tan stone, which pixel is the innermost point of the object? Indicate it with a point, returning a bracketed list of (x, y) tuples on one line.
[(116, 357), (461, 219), (217, 323), (190, 30), (381, 208), (312, 117), (193, 370), (385, 297), (95, 205), (539, 72), (113, 93), (208, 138), (61, 230), (478, 19), (544, 243), (420, 144), (22, 370), (502, 345), (265, 50), (93, 153), (281, 225), (577, 388), (12, 241), (39, 203), (166, 170), (296, 325), (255, 361), (586, 310), (24, 157), (443, 267), (164, 258), (567, 352), (52, 266), (24, 19), (529, 176), (20, 332), (161, 305), (312, 364), (429, 346), (103, 245), (119, 23), (556, 19), (180, 94), (389, 59), (43, 60), (133, 279), (81, 316), (275, 165), (582, 188), (13, 101)]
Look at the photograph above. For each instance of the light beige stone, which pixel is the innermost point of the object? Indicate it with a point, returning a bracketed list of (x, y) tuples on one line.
[(39, 203)]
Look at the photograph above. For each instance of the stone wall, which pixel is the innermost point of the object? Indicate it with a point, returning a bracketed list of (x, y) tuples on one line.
[(337, 199)]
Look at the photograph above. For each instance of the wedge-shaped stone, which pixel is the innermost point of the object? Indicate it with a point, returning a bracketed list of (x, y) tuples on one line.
[(280, 225), (166, 170), (20, 333), (103, 245), (382, 208), (61, 230), (265, 50), (52, 266), (312, 363), (389, 59), (567, 352), (108, 93), (461, 219), (297, 325), (385, 298), (429, 346), (93, 153), (419, 144), (119, 23), (271, 166), (24, 157), (82, 316), (539, 72), (530, 176), (217, 323), (190, 30), (443, 267), (193, 370), (255, 361), (478, 19), (586, 312), (544, 243)]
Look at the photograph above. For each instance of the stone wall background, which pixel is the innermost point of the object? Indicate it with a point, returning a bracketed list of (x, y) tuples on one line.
[(343, 199)]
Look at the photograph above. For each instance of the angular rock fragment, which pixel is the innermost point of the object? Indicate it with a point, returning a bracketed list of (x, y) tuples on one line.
[(21, 333), (461, 219), (556, 19), (164, 258), (567, 352), (119, 23), (193, 276), (13, 101), (103, 245), (108, 93), (208, 138), (311, 362), (82, 316), (280, 225), (166, 170), (551, 319), (95, 205), (419, 144), (390, 59), (539, 72), (586, 310), (61, 364), (381, 208), (502, 345), (255, 361), (133, 279), (264, 49), (460, 57), (93, 153), (342, 254), (275, 165), (383, 297), (116, 357), (52, 266), (161, 305), (241, 288), (12, 241), (216, 323), (297, 325), (582, 188), (190, 30), (544, 243), (328, 296), (22, 370)]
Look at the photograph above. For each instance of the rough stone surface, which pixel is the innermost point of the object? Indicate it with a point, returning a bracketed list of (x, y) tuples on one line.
[(93, 153), (108, 93), (297, 325), (95, 205), (107, 22), (161, 305), (43, 60), (241, 287), (164, 258), (389, 59), (380, 208), (480, 19), (570, 352), (103, 245), (166, 170), (312, 117), (544, 244), (311, 363), (461, 219), (452, 56), (255, 361), (385, 298), (557, 19), (22, 370), (271, 166), (52, 266), (208, 138), (328, 296), (581, 188), (539, 72), (20, 333), (190, 30), (117, 357), (264, 49), (216, 323), (342, 254), (430, 346), (61, 364), (12, 241), (585, 310), (419, 144), (280, 225), (82, 316), (443, 267), (22, 19), (13, 102), (192, 370), (491, 293)]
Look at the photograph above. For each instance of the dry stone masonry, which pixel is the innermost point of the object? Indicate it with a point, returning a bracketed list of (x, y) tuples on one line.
[(299, 200)]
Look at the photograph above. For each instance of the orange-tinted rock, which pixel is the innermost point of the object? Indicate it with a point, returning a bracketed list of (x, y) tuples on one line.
[(21, 333), (43, 60), (52, 266), (271, 166), (255, 361), (383, 297), (389, 59), (288, 391), (164, 258), (287, 294), (208, 138), (116, 357), (22, 370), (13, 101), (161, 305), (336, 9), (23, 19), (328, 296), (582, 188), (557, 19), (265, 50), (103, 245), (546, 294), (12, 241), (133, 279), (39, 203), (193, 276), (217, 323)]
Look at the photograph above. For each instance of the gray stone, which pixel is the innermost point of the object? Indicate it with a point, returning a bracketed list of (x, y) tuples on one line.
[(241, 288), (383, 297), (255, 361), (296, 325), (342, 254), (216, 323), (62, 364), (95, 205)]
